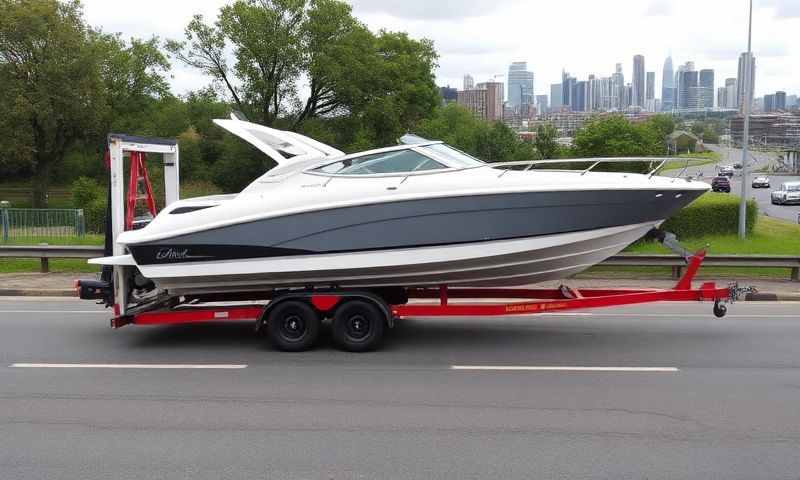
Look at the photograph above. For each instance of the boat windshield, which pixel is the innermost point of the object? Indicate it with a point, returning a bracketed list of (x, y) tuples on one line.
[(399, 161), (456, 158)]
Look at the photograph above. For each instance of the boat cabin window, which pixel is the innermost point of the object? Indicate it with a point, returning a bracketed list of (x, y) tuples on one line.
[(399, 161)]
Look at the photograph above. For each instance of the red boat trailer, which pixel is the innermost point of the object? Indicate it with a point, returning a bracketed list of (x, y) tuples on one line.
[(486, 302)]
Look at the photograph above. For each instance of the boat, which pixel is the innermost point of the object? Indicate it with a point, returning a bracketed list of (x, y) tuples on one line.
[(417, 214)]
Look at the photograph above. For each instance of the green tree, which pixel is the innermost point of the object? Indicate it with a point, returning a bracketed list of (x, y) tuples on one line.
[(383, 80), (615, 136), (663, 124), (546, 143), (49, 75), (66, 84)]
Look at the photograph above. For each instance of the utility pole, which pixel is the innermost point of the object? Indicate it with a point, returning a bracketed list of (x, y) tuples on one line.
[(746, 129)]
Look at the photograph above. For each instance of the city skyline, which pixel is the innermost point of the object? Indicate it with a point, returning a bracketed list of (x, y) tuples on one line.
[(658, 27)]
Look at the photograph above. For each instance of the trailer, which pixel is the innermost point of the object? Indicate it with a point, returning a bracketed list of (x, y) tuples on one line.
[(292, 318)]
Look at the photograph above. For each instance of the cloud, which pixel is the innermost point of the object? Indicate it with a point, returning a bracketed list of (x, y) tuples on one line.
[(784, 8), (659, 8), (432, 9)]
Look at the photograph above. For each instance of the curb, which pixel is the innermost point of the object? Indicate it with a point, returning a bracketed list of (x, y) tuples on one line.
[(38, 292), (772, 297)]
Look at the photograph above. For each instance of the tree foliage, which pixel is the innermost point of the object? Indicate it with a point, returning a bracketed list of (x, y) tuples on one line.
[(384, 80), (492, 142), (64, 83), (615, 136), (546, 141)]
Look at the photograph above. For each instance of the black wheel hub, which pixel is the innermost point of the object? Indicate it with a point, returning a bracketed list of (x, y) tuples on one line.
[(358, 327), (293, 327)]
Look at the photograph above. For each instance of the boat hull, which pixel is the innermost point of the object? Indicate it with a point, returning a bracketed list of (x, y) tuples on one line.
[(513, 262)]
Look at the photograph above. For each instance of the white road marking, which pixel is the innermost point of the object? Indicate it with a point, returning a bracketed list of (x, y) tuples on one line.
[(561, 368), (158, 366)]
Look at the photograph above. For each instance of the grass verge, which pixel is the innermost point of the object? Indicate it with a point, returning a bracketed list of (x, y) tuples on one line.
[(57, 265), (770, 237), (695, 160)]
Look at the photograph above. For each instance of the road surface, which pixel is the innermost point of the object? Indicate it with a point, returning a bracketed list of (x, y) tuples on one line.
[(722, 402), (761, 195)]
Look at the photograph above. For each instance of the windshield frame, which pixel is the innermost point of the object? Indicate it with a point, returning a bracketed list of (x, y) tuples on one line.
[(417, 148)]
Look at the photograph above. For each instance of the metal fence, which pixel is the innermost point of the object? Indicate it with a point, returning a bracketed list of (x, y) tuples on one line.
[(19, 224)]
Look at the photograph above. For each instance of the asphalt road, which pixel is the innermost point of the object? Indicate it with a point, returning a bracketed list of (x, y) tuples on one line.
[(727, 405), (761, 195)]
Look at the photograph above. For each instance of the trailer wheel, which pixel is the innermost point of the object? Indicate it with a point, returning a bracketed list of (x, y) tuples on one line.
[(719, 309), (293, 326), (358, 326)]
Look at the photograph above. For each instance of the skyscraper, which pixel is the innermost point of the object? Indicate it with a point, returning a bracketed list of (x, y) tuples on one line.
[(469, 82), (618, 88), (769, 103), (555, 97), (780, 101), (730, 94), (638, 81), (706, 89), (520, 85), (567, 89), (541, 104), (687, 88), (650, 92), (668, 86), (742, 77)]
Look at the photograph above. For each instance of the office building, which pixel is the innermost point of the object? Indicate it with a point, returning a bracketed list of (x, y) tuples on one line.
[(730, 94), (638, 82), (567, 89), (668, 87), (485, 101), (721, 97), (542, 106), (780, 101), (705, 97), (745, 79), (687, 89), (555, 97), (650, 92), (520, 85), (618, 87), (769, 103), (469, 82)]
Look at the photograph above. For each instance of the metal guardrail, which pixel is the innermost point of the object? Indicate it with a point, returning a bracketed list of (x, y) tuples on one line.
[(45, 252)]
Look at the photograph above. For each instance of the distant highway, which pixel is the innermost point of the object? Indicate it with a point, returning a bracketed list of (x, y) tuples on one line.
[(731, 156)]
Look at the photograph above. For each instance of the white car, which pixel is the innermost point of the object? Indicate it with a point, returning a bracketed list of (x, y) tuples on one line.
[(789, 193), (726, 171), (760, 182)]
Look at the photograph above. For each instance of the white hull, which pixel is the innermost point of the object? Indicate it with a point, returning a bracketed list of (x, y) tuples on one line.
[(491, 263)]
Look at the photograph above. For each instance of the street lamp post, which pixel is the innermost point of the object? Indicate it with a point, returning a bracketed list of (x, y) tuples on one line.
[(746, 129)]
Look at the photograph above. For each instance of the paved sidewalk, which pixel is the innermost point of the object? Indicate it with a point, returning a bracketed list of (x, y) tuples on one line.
[(60, 284)]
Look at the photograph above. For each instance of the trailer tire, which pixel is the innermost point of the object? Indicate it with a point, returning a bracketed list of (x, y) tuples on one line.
[(358, 326), (293, 326)]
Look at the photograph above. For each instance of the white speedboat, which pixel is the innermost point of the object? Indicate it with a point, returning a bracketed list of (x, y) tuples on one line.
[(417, 214)]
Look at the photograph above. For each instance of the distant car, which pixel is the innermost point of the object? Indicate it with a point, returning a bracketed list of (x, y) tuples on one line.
[(789, 193), (726, 171), (721, 184), (761, 182), (737, 166)]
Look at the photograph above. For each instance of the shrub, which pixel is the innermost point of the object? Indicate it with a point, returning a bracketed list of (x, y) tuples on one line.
[(94, 215), (84, 191), (711, 214)]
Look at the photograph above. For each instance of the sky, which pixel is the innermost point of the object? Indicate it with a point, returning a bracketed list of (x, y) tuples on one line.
[(482, 37)]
